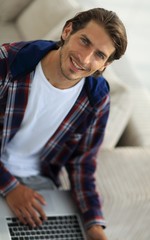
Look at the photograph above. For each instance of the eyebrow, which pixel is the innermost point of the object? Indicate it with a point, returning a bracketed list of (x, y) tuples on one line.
[(90, 43)]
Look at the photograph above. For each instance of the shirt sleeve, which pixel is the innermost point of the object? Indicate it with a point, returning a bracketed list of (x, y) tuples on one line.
[(81, 168), (7, 181), (3, 68)]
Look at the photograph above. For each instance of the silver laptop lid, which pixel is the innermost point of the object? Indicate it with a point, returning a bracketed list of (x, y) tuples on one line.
[(61, 211)]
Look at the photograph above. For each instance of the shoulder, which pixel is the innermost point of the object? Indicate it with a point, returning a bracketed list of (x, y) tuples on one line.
[(97, 89), (20, 55), (27, 47)]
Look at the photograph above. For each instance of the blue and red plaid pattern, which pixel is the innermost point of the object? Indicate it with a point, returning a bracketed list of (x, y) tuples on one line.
[(76, 141)]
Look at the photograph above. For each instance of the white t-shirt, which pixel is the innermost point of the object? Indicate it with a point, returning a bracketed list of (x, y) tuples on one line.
[(47, 107)]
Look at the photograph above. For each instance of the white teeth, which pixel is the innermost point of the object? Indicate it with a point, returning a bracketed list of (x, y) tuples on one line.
[(76, 65)]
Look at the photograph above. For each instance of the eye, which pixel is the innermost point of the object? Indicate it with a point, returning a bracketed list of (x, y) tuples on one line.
[(85, 41), (100, 55)]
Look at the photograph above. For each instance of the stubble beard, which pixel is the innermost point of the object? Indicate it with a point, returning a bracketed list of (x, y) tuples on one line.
[(63, 72)]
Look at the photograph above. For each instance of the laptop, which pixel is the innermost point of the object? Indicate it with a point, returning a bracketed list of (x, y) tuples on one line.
[(64, 221)]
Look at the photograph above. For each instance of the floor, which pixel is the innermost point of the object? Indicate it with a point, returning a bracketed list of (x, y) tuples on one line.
[(136, 16)]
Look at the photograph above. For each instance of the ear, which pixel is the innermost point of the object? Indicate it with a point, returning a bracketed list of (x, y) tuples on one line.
[(66, 31)]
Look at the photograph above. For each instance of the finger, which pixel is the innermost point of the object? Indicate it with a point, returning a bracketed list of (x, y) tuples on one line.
[(18, 213), (40, 198), (28, 216), (39, 210), (32, 217), (20, 216), (34, 214)]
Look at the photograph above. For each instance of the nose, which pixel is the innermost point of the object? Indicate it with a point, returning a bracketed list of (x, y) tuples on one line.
[(87, 56)]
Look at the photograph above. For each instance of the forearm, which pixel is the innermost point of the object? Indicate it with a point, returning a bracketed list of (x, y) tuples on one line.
[(81, 168), (81, 175), (89, 205)]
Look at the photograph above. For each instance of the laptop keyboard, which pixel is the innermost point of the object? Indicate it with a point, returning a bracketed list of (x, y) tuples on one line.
[(55, 228)]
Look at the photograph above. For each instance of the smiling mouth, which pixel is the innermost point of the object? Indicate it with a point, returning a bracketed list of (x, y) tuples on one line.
[(77, 66)]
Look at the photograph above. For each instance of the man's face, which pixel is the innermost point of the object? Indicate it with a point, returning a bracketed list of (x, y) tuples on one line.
[(85, 51)]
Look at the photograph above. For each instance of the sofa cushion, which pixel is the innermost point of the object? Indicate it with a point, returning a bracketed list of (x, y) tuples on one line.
[(11, 9), (123, 181), (8, 33), (42, 16), (120, 111)]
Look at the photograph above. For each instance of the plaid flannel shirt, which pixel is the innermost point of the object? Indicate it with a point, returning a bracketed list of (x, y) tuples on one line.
[(76, 141)]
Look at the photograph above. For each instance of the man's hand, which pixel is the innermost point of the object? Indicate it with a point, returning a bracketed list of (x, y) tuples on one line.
[(26, 205), (96, 233)]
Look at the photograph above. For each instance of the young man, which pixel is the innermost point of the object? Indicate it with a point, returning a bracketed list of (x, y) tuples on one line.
[(54, 109)]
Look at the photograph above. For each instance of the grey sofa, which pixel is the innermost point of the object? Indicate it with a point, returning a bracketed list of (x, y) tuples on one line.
[(124, 158)]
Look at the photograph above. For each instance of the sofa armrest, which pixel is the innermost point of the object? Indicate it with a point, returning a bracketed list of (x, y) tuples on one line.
[(120, 111), (137, 132)]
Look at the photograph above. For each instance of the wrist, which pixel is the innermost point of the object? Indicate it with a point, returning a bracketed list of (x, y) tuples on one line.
[(10, 189)]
